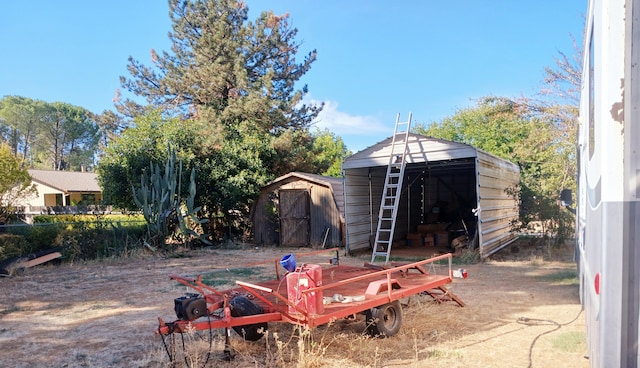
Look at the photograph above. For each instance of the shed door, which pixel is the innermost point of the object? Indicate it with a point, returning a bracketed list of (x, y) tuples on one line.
[(294, 217)]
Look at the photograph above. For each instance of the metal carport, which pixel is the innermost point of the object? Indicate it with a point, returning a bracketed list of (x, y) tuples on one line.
[(444, 182)]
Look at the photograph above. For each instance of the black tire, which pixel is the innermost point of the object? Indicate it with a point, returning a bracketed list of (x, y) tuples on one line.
[(385, 320), (242, 306)]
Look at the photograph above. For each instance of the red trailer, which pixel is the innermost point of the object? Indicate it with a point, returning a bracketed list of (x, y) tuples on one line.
[(312, 295)]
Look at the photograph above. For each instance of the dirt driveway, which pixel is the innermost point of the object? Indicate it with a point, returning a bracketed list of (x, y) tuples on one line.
[(522, 310)]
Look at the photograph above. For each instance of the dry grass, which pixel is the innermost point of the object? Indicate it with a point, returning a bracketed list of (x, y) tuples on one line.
[(104, 314), (433, 335)]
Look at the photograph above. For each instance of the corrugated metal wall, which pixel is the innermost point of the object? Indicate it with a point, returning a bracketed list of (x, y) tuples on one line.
[(361, 204), (497, 208), (454, 174), (423, 188)]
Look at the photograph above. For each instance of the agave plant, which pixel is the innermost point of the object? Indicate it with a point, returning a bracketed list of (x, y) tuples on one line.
[(166, 213)]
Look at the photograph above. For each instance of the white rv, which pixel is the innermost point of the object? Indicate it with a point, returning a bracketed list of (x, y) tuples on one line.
[(608, 210)]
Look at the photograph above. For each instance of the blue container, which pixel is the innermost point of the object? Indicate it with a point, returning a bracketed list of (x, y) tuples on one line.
[(288, 262)]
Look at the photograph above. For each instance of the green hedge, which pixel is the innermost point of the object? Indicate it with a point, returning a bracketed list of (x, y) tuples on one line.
[(37, 238), (12, 245), (106, 237)]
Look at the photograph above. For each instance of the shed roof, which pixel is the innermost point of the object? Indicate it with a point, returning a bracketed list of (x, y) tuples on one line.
[(67, 181), (421, 149)]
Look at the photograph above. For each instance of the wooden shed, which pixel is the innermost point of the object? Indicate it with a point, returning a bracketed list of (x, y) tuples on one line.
[(300, 209), (450, 190)]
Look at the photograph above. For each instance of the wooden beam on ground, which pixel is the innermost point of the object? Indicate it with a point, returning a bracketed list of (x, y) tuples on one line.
[(42, 259)]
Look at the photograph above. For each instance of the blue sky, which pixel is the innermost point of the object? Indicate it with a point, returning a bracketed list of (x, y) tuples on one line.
[(375, 58)]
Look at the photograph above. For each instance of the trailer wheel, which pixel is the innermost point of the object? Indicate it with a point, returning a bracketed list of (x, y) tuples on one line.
[(242, 306), (385, 320)]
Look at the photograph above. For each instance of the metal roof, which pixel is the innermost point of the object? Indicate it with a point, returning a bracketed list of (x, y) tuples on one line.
[(421, 149), (67, 181)]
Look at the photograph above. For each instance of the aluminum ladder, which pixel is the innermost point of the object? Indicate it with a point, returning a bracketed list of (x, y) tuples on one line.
[(392, 190)]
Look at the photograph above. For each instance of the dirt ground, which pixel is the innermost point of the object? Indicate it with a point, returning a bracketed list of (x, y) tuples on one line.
[(522, 310)]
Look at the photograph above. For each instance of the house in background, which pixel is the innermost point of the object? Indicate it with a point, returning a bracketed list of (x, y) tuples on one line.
[(64, 188)]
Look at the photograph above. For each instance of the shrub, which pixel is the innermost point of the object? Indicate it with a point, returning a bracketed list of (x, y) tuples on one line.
[(12, 245), (89, 242), (38, 237), (80, 240)]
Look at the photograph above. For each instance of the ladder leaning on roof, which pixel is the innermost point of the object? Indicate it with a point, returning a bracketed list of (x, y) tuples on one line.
[(392, 190)]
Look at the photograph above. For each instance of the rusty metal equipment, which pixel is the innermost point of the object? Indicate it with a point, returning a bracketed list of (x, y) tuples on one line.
[(316, 295)]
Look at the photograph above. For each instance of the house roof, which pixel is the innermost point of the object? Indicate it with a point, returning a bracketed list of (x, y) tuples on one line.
[(67, 181)]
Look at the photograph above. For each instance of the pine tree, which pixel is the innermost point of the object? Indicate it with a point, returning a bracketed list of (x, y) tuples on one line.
[(236, 80), (225, 69)]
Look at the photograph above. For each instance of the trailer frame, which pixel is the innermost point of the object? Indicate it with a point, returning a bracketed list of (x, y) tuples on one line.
[(363, 289)]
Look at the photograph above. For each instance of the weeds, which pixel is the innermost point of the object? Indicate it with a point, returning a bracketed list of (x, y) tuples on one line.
[(303, 347), (193, 348), (467, 256), (563, 277), (87, 237), (441, 354), (570, 342), (228, 276), (9, 310), (536, 260), (310, 352)]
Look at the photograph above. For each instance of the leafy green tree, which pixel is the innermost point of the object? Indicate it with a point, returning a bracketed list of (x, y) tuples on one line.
[(329, 151), (496, 125), (236, 80), (560, 103), (232, 176), (15, 184), (562, 82), (110, 125), (527, 134), (139, 146), (56, 135), (22, 120), (229, 175), (68, 138)]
